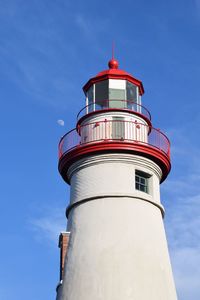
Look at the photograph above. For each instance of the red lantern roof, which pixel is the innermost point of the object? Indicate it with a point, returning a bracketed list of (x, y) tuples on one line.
[(114, 73)]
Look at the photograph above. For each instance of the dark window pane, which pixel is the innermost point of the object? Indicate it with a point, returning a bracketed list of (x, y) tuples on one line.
[(142, 188), (137, 178), (131, 92), (90, 95), (137, 186), (101, 92)]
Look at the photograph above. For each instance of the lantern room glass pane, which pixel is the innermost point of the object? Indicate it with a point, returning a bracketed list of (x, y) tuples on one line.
[(131, 92), (117, 98), (90, 96), (101, 93)]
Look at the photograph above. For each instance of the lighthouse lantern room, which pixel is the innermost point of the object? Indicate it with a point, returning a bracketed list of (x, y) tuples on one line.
[(114, 161)]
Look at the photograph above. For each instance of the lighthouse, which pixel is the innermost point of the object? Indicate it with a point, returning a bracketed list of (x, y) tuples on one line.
[(114, 161)]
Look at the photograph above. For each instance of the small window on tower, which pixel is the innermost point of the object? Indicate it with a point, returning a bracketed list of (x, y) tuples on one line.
[(142, 181)]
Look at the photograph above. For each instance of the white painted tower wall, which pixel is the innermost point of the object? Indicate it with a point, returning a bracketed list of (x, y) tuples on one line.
[(106, 258)]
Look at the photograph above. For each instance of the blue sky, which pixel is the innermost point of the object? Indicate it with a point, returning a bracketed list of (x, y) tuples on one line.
[(48, 50)]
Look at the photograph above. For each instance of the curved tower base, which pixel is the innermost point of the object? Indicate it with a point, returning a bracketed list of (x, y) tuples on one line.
[(125, 253)]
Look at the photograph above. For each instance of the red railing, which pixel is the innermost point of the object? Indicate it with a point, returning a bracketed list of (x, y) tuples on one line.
[(114, 104), (112, 131)]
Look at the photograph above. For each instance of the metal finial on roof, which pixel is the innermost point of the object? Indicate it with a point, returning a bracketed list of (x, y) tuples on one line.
[(113, 63), (113, 49)]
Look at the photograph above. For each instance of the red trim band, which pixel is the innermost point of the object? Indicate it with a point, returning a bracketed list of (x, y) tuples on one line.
[(153, 153), (108, 75)]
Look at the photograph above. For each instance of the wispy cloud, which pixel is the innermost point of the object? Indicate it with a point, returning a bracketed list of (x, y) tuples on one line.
[(84, 25), (187, 273), (182, 200), (89, 27), (184, 222), (49, 225), (34, 57)]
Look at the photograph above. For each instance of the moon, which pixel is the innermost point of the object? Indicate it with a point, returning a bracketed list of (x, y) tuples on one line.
[(61, 122)]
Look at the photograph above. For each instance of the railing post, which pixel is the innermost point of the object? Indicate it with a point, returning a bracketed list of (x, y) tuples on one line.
[(106, 129), (159, 138)]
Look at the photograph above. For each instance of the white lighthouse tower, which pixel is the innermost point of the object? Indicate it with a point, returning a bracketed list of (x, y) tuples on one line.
[(114, 161)]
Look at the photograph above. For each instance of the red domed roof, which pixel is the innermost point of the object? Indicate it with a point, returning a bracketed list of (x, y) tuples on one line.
[(114, 73)]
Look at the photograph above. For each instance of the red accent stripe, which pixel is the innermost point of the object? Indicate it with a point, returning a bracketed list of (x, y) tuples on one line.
[(156, 155)]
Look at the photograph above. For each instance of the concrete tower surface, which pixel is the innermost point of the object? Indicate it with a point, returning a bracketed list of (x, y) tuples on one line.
[(114, 161)]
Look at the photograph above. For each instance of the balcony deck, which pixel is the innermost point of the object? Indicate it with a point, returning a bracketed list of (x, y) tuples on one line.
[(125, 136)]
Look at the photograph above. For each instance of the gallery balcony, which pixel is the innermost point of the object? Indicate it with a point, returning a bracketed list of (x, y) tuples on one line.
[(114, 136)]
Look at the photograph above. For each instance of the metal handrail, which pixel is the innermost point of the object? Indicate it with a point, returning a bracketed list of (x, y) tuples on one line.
[(129, 105), (112, 131)]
